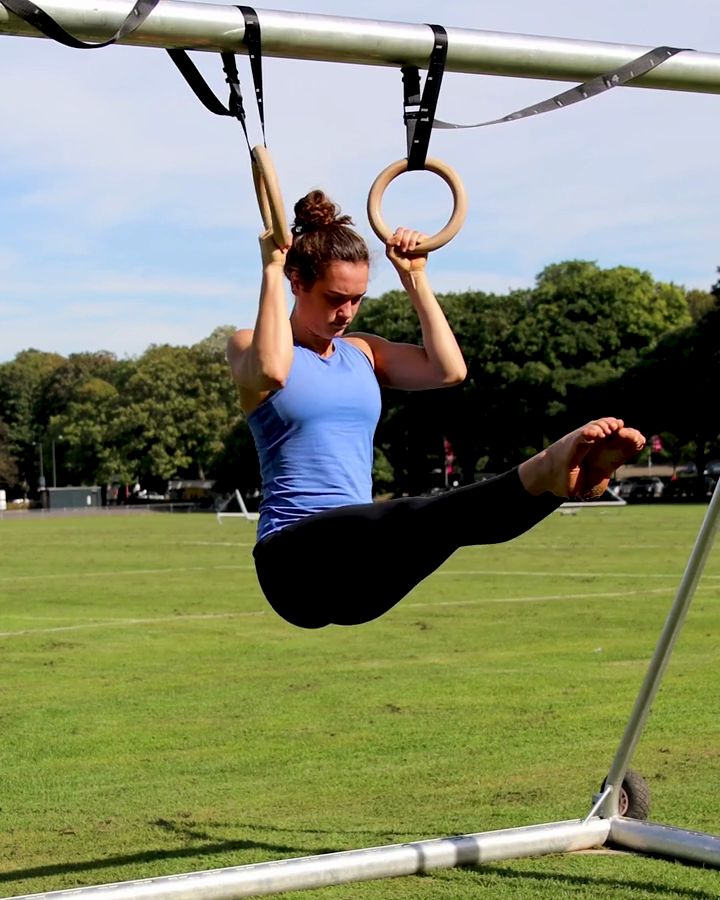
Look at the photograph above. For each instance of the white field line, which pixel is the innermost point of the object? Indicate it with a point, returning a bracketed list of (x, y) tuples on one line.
[(543, 597), (518, 546), (117, 572), (502, 573), (211, 543), (610, 574), (110, 623), (562, 547)]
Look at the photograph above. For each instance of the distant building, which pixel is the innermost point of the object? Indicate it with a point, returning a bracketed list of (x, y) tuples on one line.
[(74, 497), (192, 490)]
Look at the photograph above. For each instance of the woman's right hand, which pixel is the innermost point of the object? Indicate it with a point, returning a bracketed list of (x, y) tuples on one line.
[(400, 249), (270, 253)]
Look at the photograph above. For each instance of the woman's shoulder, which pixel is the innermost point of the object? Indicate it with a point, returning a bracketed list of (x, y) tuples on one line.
[(240, 340), (363, 342)]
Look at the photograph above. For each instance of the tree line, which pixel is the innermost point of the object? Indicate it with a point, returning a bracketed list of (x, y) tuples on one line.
[(583, 342)]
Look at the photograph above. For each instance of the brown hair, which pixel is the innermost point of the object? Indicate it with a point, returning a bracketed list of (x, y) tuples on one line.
[(321, 236)]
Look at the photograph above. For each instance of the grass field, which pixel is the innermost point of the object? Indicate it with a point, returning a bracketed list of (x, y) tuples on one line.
[(157, 717)]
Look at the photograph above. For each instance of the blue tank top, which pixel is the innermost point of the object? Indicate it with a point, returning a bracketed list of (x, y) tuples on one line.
[(314, 436)]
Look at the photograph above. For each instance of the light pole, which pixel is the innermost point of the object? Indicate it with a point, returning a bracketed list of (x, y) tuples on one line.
[(41, 479), (54, 467)]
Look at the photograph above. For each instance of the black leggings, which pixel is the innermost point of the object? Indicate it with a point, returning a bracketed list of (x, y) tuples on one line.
[(350, 565)]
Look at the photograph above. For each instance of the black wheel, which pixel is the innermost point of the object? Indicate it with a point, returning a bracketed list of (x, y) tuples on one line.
[(634, 799)]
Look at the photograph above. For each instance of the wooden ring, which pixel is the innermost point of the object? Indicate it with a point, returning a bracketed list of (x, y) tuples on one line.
[(448, 174), (269, 196)]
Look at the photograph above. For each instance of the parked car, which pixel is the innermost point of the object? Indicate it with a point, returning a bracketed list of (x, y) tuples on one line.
[(145, 496), (637, 488), (692, 489), (712, 468)]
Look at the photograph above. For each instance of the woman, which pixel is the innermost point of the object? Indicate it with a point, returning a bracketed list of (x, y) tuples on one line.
[(311, 395)]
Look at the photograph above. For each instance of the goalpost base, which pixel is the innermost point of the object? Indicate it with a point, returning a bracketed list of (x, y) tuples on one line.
[(412, 858)]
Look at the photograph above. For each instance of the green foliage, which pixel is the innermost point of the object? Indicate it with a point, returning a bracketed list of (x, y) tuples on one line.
[(163, 415), (674, 387), (583, 342), (589, 325), (534, 357), (584, 312), (177, 407), (86, 436), (383, 474), (236, 465), (22, 383), (8, 467), (700, 303)]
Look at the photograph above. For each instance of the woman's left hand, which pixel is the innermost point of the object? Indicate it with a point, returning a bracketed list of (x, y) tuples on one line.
[(401, 250)]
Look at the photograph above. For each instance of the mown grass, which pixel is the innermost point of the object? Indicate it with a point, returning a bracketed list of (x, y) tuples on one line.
[(157, 717)]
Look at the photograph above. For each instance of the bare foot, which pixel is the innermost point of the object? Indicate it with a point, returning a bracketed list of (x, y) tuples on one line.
[(581, 464)]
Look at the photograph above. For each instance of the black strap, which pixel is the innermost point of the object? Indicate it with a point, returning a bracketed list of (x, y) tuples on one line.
[(419, 112), (634, 69), (200, 88), (252, 40), (32, 14), (205, 94)]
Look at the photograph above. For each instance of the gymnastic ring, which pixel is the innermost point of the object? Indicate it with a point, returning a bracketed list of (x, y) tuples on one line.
[(269, 196), (448, 174)]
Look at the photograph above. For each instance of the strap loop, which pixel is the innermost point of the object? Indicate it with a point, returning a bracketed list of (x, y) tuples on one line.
[(32, 14), (252, 40), (203, 92), (199, 86), (419, 122), (622, 75)]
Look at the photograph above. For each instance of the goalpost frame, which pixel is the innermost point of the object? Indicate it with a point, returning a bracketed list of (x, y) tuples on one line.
[(212, 27), (243, 514)]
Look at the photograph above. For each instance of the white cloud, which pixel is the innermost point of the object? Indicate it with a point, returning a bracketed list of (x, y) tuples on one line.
[(152, 285)]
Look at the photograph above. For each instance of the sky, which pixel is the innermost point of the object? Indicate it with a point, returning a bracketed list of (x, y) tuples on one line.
[(129, 215)]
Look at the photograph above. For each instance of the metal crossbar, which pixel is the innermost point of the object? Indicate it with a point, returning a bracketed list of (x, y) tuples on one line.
[(309, 36)]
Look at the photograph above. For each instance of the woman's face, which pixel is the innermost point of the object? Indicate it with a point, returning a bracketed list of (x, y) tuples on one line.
[(328, 307)]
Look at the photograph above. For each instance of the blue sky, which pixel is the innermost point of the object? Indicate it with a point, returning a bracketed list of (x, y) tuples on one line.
[(129, 216)]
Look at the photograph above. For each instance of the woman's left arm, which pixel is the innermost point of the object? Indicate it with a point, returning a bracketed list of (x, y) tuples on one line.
[(439, 361)]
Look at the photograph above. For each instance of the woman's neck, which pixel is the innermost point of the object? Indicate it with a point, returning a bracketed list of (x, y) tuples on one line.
[(305, 338)]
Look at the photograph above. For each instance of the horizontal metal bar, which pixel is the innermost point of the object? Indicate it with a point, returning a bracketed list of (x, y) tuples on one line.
[(352, 865), (677, 843), (205, 26)]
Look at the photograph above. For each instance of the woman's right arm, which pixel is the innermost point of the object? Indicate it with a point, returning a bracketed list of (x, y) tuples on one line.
[(260, 358)]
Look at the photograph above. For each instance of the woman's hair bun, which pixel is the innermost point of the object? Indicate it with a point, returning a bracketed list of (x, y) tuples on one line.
[(315, 210)]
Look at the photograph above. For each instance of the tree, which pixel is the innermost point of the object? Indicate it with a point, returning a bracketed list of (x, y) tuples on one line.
[(699, 303), (588, 325), (9, 474), (93, 447), (67, 379), (410, 435), (216, 342), (22, 385), (586, 313), (177, 406), (673, 387), (236, 466), (532, 357)]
